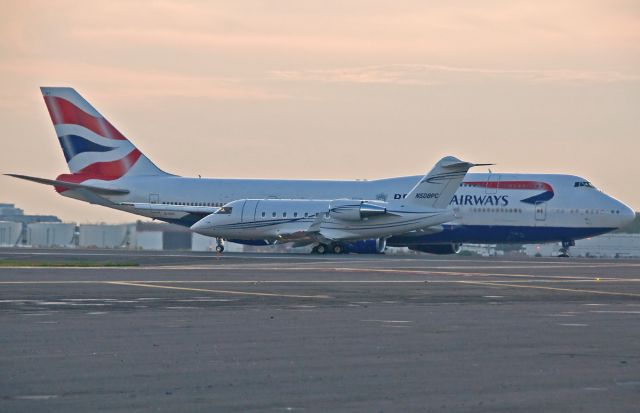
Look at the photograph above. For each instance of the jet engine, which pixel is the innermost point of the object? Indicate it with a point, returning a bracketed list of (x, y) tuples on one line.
[(348, 210), (439, 249)]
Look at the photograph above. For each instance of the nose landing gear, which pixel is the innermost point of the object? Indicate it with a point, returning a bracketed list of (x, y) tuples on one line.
[(219, 245), (564, 250)]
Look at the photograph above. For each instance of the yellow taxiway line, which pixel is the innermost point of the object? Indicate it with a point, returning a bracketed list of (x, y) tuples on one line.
[(216, 291), (540, 287)]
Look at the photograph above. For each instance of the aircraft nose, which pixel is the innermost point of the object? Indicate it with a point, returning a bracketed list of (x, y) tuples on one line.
[(202, 226), (627, 215)]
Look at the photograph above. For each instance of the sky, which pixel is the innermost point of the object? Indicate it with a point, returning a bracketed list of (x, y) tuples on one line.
[(327, 89)]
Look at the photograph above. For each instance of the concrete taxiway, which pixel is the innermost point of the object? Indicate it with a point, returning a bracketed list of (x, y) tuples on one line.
[(262, 332)]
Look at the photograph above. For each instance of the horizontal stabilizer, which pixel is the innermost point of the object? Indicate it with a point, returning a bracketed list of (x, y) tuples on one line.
[(456, 165), (71, 185)]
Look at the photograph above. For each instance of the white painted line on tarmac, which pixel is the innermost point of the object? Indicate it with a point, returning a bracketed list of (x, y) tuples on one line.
[(256, 282), (250, 293), (614, 312), (389, 321)]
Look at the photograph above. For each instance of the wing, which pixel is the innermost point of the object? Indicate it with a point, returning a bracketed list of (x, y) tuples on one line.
[(146, 206), (71, 185), (319, 233)]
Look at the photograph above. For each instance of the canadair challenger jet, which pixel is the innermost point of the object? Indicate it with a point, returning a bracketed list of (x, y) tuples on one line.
[(330, 223)]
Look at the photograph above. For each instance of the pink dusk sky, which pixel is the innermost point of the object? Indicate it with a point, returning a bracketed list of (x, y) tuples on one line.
[(327, 89)]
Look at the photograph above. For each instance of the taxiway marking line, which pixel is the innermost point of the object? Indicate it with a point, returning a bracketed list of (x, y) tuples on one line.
[(539, 287), (429, 272), (216, 291), (270, 266), (412, 281)]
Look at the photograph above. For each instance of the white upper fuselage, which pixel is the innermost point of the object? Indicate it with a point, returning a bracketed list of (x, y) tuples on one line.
[(484, 200)]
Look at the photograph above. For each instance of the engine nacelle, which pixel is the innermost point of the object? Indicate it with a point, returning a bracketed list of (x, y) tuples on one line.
[(439, 249), (348, 210), (369, 246)]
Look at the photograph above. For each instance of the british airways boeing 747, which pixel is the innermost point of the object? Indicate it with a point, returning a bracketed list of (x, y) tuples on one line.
[(108, 170)]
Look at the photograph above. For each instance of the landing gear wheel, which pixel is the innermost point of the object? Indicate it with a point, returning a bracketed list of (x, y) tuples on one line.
[(564, 250), (337, 249), (219, 245), (321, 249)]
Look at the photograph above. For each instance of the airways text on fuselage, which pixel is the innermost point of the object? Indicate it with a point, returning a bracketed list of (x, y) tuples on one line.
[(475, 200)]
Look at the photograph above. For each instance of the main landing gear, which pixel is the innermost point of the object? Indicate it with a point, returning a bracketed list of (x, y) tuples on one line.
[(564, 250), (328, 249), (219, 245)]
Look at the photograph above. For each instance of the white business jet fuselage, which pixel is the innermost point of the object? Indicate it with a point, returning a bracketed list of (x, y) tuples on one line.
[(331, 222)]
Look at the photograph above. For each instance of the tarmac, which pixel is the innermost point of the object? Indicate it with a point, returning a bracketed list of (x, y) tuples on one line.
[(277, 333)]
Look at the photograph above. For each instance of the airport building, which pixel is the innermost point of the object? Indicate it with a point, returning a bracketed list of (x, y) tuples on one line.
[(10, 233), (144, 235), (48, 231), (51, 235), (103, 236), (11, 214)]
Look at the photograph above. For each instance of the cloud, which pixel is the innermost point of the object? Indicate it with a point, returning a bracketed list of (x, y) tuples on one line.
[(426, 75), (131, 83), (207, 41)]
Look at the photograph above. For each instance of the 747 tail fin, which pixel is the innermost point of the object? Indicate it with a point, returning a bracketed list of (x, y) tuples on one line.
[(92, 147)]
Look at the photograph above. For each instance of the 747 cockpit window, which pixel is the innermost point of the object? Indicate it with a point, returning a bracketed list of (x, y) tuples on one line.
[(584, 184), (224, 210)]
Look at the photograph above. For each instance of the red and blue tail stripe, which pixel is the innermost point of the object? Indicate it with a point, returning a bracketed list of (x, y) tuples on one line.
[(546, 195), (73, 145), (64, 112)]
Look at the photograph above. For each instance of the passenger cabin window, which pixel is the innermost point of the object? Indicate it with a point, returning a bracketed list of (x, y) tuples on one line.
[(284, 215), (273, 214), (263, 214), (224, 210), (295, 214)]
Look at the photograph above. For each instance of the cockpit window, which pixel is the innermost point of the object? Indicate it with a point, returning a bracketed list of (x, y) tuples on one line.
[(583, 184), (224, 210)]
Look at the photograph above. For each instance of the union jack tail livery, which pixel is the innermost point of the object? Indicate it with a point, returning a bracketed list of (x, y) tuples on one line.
[(93, 148)]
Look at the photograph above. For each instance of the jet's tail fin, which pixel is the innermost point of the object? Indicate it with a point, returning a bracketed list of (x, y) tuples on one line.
[(92, 147), (436, 189)]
